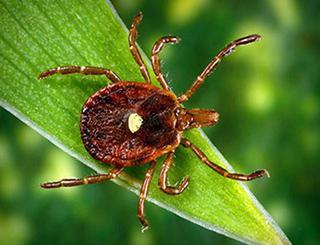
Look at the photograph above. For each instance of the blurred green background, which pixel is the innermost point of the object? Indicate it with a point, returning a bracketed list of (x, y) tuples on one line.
[(268, 97)]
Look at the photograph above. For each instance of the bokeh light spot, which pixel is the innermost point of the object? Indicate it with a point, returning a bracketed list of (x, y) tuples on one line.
[(13, 229), (310, 107), (59, 165), (183, 11), (139, 238), (28, 137), (4, 151), (280, 210), (286, 12), (259, 96)]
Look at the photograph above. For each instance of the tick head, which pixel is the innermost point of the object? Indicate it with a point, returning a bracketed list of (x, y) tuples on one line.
[(195, 118)]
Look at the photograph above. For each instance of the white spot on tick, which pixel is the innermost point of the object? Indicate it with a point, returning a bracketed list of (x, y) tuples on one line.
[(134, 122)]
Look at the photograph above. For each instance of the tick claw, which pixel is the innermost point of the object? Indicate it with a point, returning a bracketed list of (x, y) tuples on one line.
[(266, 173), (144, 228)]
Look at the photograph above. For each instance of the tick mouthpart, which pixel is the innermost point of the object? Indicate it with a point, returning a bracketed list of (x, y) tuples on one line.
[(195, 118), (203, 118)]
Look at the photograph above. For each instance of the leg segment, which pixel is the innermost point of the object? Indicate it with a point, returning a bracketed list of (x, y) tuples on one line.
[(143, 195), (172, 190), (220, 170), (85, 70), (113, 173), (206, 72), (133, 33), (156, 61)]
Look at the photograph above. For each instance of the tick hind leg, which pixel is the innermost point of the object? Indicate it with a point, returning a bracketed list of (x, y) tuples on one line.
[(157, 47), (113, 173), (209, 68), (143, 195), (133, 33), (85, 70), (220, 170), (172, 190)]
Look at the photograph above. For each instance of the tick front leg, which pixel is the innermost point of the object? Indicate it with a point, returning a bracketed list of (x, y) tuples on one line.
[(143, 195), (157, 47), (220, 170), (133, 33), (209, 68), (85, 70), (172, 190), (113, 173)]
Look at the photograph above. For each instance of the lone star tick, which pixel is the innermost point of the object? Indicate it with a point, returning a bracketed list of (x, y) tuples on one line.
[(130, 123)]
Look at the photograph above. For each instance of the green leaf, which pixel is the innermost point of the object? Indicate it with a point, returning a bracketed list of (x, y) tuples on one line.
[(39, 35)]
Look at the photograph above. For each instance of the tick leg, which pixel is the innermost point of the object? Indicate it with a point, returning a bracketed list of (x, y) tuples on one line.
[(172, 190), (206, 72), (133, 33), (113, 173), (85, 70), (156, 61), (143, 195), (220, 170)]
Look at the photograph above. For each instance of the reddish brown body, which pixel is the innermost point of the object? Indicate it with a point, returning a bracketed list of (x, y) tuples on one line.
[(104, 124), (109, 137)]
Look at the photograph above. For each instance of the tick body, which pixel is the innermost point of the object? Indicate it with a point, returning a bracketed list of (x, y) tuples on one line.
[(129, 123)]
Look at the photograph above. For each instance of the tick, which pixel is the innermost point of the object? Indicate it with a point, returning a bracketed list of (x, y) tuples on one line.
[(128, 124)]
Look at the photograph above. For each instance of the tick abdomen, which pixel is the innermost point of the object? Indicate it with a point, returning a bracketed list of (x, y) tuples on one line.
[(129, 123)]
